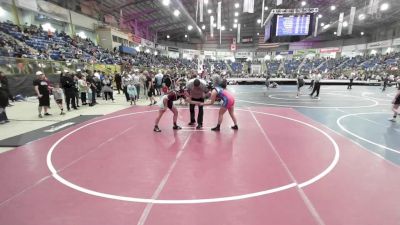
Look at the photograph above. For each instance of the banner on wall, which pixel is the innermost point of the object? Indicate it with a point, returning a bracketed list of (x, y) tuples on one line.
[(190, 52), (135, 39), (27, 4), (173, 49), (233, 47), (247, 40), (54, 10), (379, 44), (209, 53), (241, 55), (352, 48), (305, 52), (147, 43), (329, 50), (300, 45), (161, 47), (225, 54), (284, 53), (396, 42)]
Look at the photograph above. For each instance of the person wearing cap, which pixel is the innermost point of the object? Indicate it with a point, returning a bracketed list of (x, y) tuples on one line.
[(42, 91), (197, 89)]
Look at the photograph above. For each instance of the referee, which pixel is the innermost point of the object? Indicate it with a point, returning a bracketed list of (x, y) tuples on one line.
[(197, 89)]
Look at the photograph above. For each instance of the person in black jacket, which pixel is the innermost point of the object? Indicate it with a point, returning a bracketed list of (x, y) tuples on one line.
[(68, 84), (118, 82), (5, 86), (3, 104)]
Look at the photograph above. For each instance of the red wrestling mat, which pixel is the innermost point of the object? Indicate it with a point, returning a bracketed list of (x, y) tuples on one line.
[(278, 168)]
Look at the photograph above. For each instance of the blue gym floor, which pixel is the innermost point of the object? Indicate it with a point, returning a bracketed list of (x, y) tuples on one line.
[(360, 114)]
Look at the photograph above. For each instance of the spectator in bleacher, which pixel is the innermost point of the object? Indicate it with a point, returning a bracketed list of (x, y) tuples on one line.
[(42, 91)]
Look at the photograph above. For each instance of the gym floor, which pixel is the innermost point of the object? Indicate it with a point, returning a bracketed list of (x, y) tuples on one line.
[(293, 161)]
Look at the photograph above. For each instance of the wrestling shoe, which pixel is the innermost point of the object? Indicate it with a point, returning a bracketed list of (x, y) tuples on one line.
[(176, 127)]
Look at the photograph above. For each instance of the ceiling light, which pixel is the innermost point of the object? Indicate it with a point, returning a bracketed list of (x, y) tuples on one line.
[(333, 8), (206, 2), (166, 2), (303, 3), (345, 24), (361, 16), (214, 25), (176, 13), (203, 27), (320, 16), (222, 27), (258, 34), (209, 11), (167, 36), (186, 36), (236, 14), (266, 8), (334, 33), (384, 6), (322, 24), (234, 25), (259, 21), (190, 27), (362, 33), (235, 20), (237, 5)]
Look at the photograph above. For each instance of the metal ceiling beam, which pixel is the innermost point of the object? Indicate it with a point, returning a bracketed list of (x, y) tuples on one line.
[(174, 28), (132, 2), (141, 13), (167, 24)]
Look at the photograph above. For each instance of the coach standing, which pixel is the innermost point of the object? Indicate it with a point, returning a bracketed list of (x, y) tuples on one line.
[(197, 89)]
